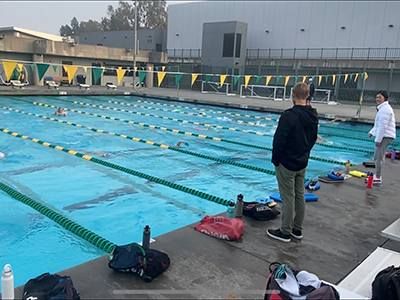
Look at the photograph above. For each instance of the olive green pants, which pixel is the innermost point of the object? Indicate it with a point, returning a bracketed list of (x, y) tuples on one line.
[(291, 189)]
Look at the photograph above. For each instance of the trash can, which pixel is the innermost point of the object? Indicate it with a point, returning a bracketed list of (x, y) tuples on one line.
[(81, 79)]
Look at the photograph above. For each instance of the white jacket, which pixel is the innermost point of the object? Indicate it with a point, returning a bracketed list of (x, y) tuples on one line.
[(385, 123)]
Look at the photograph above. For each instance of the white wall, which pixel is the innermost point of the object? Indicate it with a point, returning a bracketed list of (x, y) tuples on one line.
[(366, 23)]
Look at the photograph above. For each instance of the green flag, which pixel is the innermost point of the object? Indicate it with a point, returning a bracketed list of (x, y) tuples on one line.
[(156, 68), (235, 79), (351, 77), (96, 74), (296, 78), (208, 77), (326, 78), (54, 68), (142, 75), (258, 79), (41, 69), (32, 67), (277, 79), (177, 78)]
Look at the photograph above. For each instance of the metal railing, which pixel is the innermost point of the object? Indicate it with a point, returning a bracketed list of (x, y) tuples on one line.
[(304, 53)]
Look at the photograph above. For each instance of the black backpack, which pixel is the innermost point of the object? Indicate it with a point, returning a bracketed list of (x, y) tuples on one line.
[(133, 258), (386, 285), (51, 286), (259, 211)]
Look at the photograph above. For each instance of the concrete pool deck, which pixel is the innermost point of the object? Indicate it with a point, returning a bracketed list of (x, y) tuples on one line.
[(340, 230)]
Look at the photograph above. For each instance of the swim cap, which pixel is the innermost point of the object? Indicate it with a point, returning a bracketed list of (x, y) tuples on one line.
[(106, 154), (1, 155)]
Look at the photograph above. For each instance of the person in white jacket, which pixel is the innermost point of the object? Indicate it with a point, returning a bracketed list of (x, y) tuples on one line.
[(384, 131)]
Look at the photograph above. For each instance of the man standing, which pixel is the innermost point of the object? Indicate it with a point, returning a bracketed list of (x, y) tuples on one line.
[(295, 136), (312, 90), (384, 131)]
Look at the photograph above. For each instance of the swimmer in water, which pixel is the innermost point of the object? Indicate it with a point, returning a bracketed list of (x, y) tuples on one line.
[(180, 144), (2, 155), (60, 112)]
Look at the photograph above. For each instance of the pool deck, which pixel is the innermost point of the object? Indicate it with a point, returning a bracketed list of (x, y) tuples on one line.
[(340, 230)]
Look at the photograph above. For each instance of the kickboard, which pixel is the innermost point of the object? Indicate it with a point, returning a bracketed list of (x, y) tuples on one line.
[(369, 164), (309, 197)]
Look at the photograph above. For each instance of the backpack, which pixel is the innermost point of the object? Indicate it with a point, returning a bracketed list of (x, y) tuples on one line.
[(259, 211), (133, 258), (220, 227), (47, 286), (386, 285), (275, 292)]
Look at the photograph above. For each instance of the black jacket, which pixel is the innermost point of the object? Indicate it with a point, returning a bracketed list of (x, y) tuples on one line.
[(295, 136)]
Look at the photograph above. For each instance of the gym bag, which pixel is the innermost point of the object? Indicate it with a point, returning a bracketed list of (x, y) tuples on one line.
[(47, 286), (386, 285), (283, 283), (259, 211), (133, 258), (223, 228)]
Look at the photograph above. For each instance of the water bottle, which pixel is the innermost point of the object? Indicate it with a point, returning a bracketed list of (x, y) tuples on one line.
[(231, 209), (239, 206), (347, 167), (146, 237), (7, 283), (393, 157), (370, 180)]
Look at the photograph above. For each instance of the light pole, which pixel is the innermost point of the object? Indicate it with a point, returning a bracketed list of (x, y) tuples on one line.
[(135, 45)]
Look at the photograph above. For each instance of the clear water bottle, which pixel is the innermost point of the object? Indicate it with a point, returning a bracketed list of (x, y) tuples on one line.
[(146, 237), (239, 206), (231, 209), (7, 283), (393, 156), (347, 167)]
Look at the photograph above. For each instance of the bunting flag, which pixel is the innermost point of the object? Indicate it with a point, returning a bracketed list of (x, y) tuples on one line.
[(142, 75), (194, 77), (41, 69), (32, 67), (9, 67), (19, 67), (111, 68), (345, 77), (287, 79), (355, 79), (365, 76), (156, 68), (351, 76), (326, 79), (235, 79), (208, 77), (150, 69), (160, 76), (135, 69), (312, 78), (222, 79), (71, 70), (85, 69), (163, 68), (304, 78), (258, 79), (246, 80), (319, 79), (120, 74), (267, 80), (296, 78), (97, 74), (333, 79), (277, 79), (55, 68), (178, 78)]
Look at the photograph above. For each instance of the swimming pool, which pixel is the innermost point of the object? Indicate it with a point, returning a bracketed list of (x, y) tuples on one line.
[(117, 205)]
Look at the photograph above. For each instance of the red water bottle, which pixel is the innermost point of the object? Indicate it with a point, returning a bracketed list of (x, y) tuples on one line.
[(370, 180)]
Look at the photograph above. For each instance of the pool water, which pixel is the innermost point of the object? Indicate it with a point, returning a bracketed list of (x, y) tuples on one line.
[(116, 205)]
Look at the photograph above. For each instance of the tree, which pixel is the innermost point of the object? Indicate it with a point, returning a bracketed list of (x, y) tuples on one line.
[(65, 30)]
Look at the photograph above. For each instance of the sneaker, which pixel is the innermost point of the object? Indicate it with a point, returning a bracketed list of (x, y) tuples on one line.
[(375, 181), (297, 234), (278, 235)]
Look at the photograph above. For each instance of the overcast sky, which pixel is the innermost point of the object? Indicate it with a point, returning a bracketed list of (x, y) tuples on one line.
[(48, 16)]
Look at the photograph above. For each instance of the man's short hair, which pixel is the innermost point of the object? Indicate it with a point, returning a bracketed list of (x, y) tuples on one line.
[(301, 91)]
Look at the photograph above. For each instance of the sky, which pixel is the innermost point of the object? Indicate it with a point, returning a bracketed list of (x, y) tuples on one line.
[(48, 16)]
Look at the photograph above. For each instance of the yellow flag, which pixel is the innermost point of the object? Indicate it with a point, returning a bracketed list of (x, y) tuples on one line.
[(246, 80), (333, 79), (345, 77), (223, 77), (268, 80), (365, 76), (355, 79), (304, 78), (160, 76), (9, 67), (85, 68), (19, 67), (149, 68), (287, 79), (163, 68), (71, 70), (319, 79), (120, 74), (194, 77), (135, 68)]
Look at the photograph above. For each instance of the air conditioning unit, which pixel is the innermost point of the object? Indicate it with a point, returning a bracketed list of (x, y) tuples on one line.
[(71, 41), (2, 36), (128, 49)]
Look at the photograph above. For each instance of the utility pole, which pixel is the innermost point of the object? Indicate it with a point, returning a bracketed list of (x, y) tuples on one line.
[(135, 45)]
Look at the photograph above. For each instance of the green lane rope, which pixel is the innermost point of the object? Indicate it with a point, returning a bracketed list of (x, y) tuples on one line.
[(75, 228), (224, 161), (355, 138), (175, 186), (346, 148), (190, 134)]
